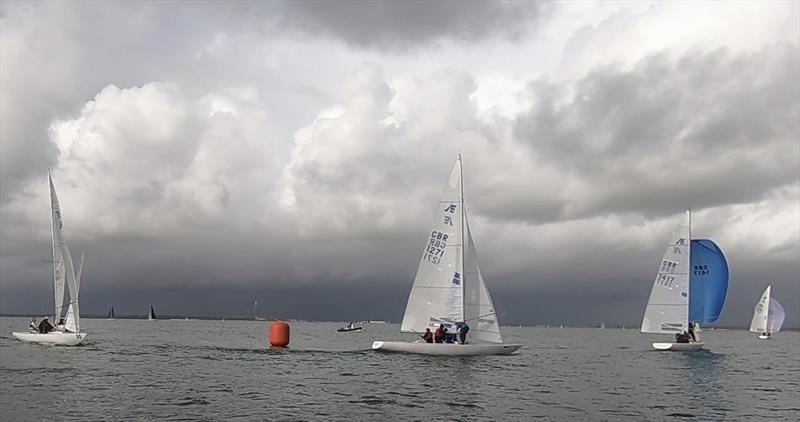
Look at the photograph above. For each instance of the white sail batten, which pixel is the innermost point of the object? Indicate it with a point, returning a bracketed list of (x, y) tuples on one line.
[(761, 312), (479, 312), (667, 309), (437, 293)]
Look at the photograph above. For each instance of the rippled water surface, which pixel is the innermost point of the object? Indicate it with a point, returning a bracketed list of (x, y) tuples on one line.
[(223, 370)]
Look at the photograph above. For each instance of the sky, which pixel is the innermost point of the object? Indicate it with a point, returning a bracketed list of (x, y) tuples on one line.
[(211, 154)]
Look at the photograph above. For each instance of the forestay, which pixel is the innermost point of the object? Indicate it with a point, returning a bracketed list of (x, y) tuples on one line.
[(668, 307)]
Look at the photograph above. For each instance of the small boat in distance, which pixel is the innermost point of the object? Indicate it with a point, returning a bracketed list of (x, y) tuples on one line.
[(349, 328), (689, 289), (768, 316), (111, 314), (69, 333), (448, 288), (152, 315)]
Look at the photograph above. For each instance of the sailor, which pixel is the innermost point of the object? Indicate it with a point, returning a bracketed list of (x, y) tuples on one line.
[(45, 326), (33, 327), (61, 326), (448, 337), (438, 336), (428, 336), (463, 329), (692, 338)]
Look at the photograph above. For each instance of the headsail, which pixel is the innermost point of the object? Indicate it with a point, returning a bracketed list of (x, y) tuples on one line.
[(775, 317), (479, 312), (668, 307), (709, 281), (761, 312), (437, 295)]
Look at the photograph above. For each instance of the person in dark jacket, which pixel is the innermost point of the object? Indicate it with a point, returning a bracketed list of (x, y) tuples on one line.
[(428, 336), (463, 329), (45, 326)]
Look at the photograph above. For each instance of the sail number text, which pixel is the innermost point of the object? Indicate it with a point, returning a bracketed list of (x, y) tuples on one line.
[(434, 250)]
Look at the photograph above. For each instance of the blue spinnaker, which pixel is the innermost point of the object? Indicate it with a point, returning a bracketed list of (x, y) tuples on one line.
[(709, 281)]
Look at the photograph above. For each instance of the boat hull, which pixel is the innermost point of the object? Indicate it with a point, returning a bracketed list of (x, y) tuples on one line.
[(445, 349), (348, 330), (765, 337), (53, 337), (679, 347)]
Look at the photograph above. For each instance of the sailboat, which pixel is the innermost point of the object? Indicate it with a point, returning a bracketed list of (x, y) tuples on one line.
[(111, 314), (448, 287), (151, 316), (689, 289), (768, 316), (63, 275)]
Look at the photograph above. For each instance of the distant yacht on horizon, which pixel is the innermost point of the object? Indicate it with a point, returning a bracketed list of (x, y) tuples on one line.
[(768, 316), (152, 315)]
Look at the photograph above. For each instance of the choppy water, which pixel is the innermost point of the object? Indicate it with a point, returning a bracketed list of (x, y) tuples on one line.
[(223, 370)]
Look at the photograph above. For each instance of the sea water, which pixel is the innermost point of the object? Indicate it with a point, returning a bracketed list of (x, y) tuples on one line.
[(224, 370)]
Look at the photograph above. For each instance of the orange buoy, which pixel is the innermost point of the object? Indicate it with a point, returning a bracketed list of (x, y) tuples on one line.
[(279, 334)]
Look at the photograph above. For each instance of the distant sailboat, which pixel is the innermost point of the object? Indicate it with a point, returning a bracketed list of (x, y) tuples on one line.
[(111, 314), (448, 287), (152, 315), (63, 274), (690, 287), (768, 316)]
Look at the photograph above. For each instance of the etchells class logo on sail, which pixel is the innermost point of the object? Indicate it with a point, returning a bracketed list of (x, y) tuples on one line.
[(457, 279), (448, 214)]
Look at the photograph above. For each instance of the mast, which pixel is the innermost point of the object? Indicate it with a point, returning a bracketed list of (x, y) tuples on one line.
[(53, 241), (463, 223), (766, 310), (689, 277)]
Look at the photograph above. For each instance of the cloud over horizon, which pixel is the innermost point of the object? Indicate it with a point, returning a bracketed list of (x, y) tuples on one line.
[(293, 145)]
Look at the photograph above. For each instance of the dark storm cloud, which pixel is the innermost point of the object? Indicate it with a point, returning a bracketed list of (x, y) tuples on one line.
[(403, 25), (703, 130)]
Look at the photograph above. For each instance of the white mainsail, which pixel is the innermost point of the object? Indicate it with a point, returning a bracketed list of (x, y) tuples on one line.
[(760, 312), (437, 294), (668, 307)]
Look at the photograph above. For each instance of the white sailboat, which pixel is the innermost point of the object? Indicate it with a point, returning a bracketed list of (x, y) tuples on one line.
[(448, 287), (63, 274), (768, 316), (690, 288), (151, 316)]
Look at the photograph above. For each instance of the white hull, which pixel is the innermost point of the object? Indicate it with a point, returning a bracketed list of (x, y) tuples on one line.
[(765, 337), (445, 349), (53, 337), (679, 347)]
